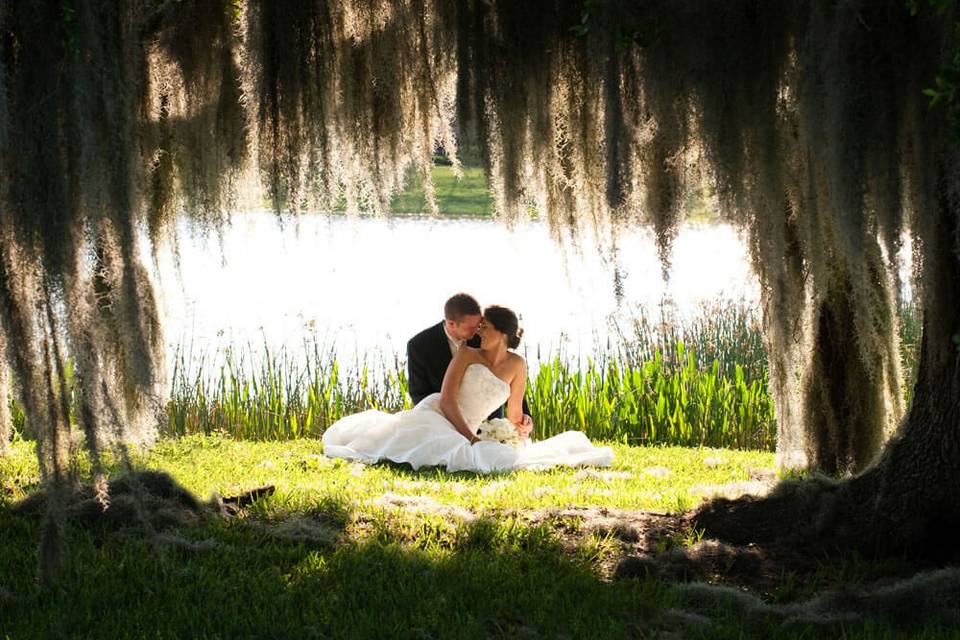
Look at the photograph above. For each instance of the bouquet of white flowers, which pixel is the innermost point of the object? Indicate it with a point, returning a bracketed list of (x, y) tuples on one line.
[(500, 430)]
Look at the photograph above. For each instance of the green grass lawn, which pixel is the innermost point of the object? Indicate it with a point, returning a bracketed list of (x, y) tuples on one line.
[(463, 197), (466, 196), (641, 478), (469, 196), (344, 550)]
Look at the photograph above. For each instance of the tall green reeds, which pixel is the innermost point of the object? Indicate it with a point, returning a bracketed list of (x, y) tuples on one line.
[(263, 395), (911, 330), (728, 333), (701, 383), (668, 401)]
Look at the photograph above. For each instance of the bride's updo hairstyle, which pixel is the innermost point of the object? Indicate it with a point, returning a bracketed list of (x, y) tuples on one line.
[(505, 321)]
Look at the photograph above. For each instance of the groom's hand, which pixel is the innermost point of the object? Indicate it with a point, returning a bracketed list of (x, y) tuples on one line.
[(526, 426)]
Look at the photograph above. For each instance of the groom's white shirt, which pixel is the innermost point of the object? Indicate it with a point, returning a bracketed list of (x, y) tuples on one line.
[(453, 342)]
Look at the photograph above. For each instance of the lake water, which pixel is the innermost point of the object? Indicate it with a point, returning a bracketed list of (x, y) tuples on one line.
[(367, 285)]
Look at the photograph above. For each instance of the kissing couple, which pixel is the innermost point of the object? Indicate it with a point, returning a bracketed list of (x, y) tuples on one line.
[(461, 372)]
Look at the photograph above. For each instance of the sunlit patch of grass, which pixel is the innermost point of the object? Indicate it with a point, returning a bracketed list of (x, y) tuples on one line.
[(641, 478), (347, 550), (635, 481), (19, 471)]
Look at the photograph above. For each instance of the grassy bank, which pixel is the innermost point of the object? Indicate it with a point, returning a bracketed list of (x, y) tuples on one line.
[(466, 196), (349, 551), (665, 479), (469, 196)]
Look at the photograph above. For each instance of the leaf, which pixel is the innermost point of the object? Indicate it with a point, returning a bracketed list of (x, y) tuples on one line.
[(935, 97)]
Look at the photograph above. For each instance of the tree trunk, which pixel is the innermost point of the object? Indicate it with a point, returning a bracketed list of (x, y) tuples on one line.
[(851, 402), (834, 405), (907, 504), (913, 489)]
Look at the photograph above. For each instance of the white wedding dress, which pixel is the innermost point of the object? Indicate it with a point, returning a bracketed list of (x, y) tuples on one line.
[(423, 437)]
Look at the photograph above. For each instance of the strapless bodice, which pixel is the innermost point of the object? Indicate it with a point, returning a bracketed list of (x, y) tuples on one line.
[(481, 393)]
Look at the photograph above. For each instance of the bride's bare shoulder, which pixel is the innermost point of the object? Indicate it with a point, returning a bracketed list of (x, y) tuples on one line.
[(517, 361)]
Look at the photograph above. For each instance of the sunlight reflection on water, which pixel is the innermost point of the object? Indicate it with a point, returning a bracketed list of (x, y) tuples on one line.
[(366, 285)]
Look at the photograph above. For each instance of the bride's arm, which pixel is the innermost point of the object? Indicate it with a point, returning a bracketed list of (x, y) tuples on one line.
[(448, 393), (517, 386)]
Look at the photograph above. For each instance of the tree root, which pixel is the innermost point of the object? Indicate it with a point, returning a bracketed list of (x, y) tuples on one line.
[(795, 512), (796, 534), (929, 598)]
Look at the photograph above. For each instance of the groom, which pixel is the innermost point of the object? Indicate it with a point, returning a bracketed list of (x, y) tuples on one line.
[(430, 351)]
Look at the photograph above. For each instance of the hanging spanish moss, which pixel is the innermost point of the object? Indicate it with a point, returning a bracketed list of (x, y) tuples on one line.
[(793, 113), (346, 96), (807, 120)]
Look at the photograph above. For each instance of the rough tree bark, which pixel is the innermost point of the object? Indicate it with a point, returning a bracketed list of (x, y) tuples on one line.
[(840, 403), (907, 504), (829, 416), (911, 494)]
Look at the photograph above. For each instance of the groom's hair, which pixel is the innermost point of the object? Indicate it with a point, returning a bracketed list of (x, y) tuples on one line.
[(460, 305)]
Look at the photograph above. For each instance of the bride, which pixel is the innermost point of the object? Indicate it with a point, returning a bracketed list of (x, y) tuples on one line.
[(442, 429)]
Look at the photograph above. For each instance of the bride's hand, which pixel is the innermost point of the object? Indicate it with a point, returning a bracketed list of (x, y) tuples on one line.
[(525, 428)]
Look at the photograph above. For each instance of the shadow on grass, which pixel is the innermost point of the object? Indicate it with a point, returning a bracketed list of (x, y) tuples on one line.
[(266, 572), (281, 578)]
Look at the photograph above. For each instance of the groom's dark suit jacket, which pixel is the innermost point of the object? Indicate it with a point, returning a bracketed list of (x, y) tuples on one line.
[(428, 356)]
